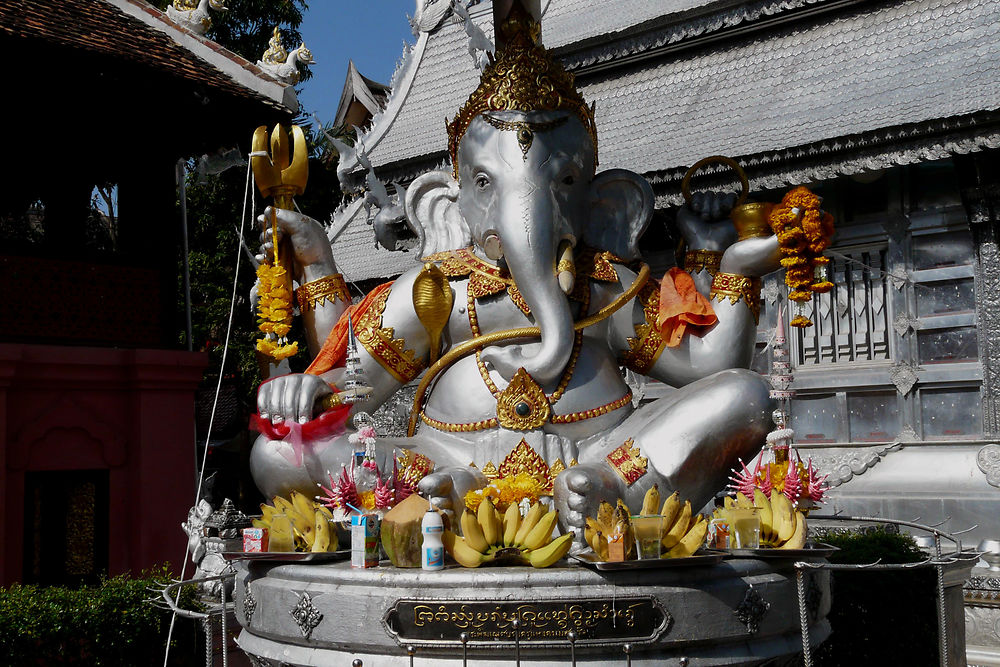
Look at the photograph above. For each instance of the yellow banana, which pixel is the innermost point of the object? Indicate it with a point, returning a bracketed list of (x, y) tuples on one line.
[(473, 532), (798, 538), (742, 501), (303, 504), (325, 510), (551, 552), (511, 522), (680, 527), (651, 501), (605, 516), (529, 521), (281, 535), (590, 530), (692, 541), (671, 506), (765, 514), (622, 506), (281, 504), (728, 502), (784, 524), (260, 523), (489, 521), (267, 511), (304, 527), (321, 541), (600, 546), (542, 532), (463, 554)]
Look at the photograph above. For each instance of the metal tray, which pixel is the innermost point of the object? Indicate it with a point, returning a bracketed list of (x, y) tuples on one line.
[(289, 556), (811, 550), (701, 557)]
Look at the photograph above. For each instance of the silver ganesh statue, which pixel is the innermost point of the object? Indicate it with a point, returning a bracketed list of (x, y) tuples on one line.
[(529, 300)]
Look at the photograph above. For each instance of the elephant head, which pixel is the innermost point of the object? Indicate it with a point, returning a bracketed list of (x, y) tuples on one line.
[(526, 191)]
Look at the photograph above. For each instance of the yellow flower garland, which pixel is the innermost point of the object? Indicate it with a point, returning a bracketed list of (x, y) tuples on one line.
[(274, 308), (506, 490), (804, 232)]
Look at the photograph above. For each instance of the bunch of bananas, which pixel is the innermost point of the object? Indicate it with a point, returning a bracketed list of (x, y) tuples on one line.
[(508, 539), (782, 526), (681, 533), (308, 527)]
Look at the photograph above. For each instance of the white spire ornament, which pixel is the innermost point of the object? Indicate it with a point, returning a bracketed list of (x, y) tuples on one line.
[(779, 468)]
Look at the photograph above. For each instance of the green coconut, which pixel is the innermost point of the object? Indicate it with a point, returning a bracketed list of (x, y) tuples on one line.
[(401, 538)]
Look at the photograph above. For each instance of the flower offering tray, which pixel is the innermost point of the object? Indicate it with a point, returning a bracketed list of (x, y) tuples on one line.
[(811, 550), (289, 556), (701, 557)]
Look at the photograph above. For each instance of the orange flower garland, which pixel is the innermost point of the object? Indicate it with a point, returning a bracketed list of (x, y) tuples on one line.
[(274, 308), (804, 232)]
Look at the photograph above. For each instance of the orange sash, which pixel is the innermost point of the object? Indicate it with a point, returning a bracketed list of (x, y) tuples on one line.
[(334, 350), (681, 305)]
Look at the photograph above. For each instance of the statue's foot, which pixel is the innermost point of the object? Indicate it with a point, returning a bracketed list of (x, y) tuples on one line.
[(578, 492), (446, 489)]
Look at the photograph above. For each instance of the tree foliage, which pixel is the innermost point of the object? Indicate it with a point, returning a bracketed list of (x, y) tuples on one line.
[(247, 25)]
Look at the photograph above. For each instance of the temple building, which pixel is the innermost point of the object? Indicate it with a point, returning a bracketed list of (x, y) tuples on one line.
[(888, 110), (97, 467)]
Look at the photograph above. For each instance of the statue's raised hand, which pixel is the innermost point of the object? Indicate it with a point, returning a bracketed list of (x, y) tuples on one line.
[(706, 225), (291, 397), (705, 222), (310, 246)]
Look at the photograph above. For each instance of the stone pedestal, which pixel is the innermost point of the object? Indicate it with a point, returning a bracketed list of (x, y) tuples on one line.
[(738, 612)]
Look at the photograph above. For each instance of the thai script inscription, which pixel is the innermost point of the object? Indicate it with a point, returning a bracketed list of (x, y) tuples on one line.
[(538, 621)]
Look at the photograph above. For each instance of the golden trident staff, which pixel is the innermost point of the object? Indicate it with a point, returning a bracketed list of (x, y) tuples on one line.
[(281, 176)]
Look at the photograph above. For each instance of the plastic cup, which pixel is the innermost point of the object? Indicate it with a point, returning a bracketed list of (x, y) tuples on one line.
[(745, 527), (647, 535)]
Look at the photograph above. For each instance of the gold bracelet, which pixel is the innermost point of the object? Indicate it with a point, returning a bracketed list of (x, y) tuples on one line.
[(702, 260), (736, 287), (317, 292)]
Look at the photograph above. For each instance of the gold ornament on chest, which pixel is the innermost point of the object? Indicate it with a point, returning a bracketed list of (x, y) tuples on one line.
[(523, 405)]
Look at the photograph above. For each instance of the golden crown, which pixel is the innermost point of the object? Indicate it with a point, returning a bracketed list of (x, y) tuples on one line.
[(521, 77)]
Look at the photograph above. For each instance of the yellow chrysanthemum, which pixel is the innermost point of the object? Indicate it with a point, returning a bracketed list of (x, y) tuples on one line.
[(367, 499)]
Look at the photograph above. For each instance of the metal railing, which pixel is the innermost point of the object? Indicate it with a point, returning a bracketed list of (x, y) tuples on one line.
[(170, 595)]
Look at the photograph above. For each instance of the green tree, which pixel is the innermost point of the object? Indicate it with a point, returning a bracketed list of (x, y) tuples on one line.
[(246, 26)]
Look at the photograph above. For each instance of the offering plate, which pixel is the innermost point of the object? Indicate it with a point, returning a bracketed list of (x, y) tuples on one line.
[(734, 612)]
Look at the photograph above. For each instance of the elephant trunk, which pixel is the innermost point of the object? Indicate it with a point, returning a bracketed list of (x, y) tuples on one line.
[(530, 246)]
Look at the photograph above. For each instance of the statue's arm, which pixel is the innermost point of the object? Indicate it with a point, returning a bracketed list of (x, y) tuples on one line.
[(702, 351), (321, 286), (392, 348)]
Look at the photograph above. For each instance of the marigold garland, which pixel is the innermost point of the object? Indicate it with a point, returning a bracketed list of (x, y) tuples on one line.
[(274, 309), (804, 232), (506, 490)]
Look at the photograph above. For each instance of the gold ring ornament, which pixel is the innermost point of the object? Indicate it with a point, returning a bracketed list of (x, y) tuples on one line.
[(716, 159)]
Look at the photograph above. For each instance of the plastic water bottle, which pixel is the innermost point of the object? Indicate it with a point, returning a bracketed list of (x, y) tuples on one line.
[(432, 549)]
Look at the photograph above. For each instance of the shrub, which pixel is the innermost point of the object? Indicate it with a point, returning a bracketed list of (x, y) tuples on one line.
[(107, 624), (879, 617)]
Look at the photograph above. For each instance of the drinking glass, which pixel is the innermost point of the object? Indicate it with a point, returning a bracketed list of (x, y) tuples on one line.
[(647, 535)]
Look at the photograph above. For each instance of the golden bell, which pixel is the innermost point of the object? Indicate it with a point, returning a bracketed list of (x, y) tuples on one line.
[(750, 220)]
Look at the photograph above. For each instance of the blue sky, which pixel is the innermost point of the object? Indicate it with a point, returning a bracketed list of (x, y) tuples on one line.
[(370, 32)]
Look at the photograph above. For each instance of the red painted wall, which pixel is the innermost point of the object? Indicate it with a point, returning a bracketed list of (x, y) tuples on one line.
[(130, 412)]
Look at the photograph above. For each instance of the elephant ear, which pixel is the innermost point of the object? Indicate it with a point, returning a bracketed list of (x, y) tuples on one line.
[(432, 209), (621, 206)]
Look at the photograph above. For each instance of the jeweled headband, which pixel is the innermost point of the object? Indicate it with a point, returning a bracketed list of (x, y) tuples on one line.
[(522, 77)]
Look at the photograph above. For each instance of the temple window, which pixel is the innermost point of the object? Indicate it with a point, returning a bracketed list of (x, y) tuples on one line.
[(903, 308)]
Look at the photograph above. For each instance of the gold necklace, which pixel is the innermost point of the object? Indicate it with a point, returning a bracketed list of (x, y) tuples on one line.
[(523, 405)]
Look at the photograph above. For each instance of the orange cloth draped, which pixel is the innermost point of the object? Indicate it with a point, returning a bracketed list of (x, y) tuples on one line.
[(334, 350), (681, 305)]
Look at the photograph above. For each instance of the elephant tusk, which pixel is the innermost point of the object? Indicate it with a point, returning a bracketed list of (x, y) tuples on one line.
[(469, 346), (566, 267)]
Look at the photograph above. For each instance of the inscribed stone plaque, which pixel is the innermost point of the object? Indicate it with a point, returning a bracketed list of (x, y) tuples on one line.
[(594, 620)]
